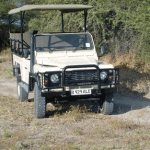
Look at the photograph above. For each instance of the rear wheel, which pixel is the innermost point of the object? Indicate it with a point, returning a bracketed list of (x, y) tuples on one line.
[(22, 94), (106, 104), (39, 103)]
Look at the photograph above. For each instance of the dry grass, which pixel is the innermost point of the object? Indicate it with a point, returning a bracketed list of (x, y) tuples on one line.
[(119, 123), (73, 128), (132, 77), (5, 64), (5, 53)]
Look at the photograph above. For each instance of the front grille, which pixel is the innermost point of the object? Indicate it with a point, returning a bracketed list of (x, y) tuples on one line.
[(81, 77)]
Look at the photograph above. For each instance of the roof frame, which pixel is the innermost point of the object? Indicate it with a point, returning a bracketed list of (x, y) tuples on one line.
[(65, 8)]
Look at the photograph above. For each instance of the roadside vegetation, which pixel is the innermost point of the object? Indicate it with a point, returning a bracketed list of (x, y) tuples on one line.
[(77, 128), (121, 26)]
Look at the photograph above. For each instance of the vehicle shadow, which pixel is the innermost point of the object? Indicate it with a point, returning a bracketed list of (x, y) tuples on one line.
[(132, 91), (80, 106), (123, 103), (127, 101)]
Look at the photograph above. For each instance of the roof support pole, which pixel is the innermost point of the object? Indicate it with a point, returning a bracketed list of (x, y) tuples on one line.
[(85, 18), (32, 33), (21, 18), (9, 24), (62, 16), (11, 44)]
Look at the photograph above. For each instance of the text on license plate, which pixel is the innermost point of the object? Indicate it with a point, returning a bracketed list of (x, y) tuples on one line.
[(80, 91)]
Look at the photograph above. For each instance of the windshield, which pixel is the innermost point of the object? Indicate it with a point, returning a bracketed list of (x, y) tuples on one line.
[(59, 42)]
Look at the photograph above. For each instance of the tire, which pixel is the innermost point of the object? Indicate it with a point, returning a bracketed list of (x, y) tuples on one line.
[(39, 103), (107, 105), (22, 94), (18, 79)]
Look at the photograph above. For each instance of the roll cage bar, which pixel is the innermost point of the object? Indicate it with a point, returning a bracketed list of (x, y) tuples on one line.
[(65, 8)]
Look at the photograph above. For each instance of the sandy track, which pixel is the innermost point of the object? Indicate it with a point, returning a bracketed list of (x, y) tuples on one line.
[(133, 107), (127, 105), (128, 124), (8, 88)]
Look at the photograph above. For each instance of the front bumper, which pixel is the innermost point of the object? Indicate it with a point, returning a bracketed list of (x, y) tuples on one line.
[(94, 93), (80, 78)]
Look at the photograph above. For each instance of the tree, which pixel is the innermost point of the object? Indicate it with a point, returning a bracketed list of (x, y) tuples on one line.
[(120, 25), (5, 6)]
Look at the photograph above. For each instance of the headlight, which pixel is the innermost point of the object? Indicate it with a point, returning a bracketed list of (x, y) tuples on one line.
[(103, 75), (54, 78), (110, 72)]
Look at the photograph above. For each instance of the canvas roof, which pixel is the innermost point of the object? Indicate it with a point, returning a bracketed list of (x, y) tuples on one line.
[(63, 7)]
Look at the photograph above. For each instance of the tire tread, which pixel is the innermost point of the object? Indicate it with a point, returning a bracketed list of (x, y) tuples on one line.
[(39, 103), (108, 105), (23, 94)]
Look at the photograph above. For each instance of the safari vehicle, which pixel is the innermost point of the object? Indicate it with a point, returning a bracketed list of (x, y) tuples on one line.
[(60, 66)]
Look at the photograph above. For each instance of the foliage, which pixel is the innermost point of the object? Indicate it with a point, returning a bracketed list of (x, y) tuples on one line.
[(5, 6), (7, 134), (121, 25)]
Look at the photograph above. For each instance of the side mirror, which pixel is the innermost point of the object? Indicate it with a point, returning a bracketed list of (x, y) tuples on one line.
[(103, 50)]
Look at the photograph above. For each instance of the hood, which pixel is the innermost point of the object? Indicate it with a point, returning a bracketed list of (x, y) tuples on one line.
[(61, 62)]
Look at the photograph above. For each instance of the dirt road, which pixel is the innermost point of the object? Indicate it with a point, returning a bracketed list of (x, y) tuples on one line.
[(128, 105), (126, 128), (8, 88)]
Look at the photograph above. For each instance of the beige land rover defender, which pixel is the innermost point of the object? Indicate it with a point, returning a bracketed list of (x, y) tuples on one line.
[(60, 66)]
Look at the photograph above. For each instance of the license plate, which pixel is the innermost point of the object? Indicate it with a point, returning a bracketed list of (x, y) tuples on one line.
[(80, 91)]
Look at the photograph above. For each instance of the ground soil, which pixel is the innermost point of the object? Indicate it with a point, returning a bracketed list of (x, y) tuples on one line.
[(126, 128), (128, 105)]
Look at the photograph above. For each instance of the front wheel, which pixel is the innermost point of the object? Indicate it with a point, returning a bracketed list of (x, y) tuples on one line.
[(39, 103), (106, 104)]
